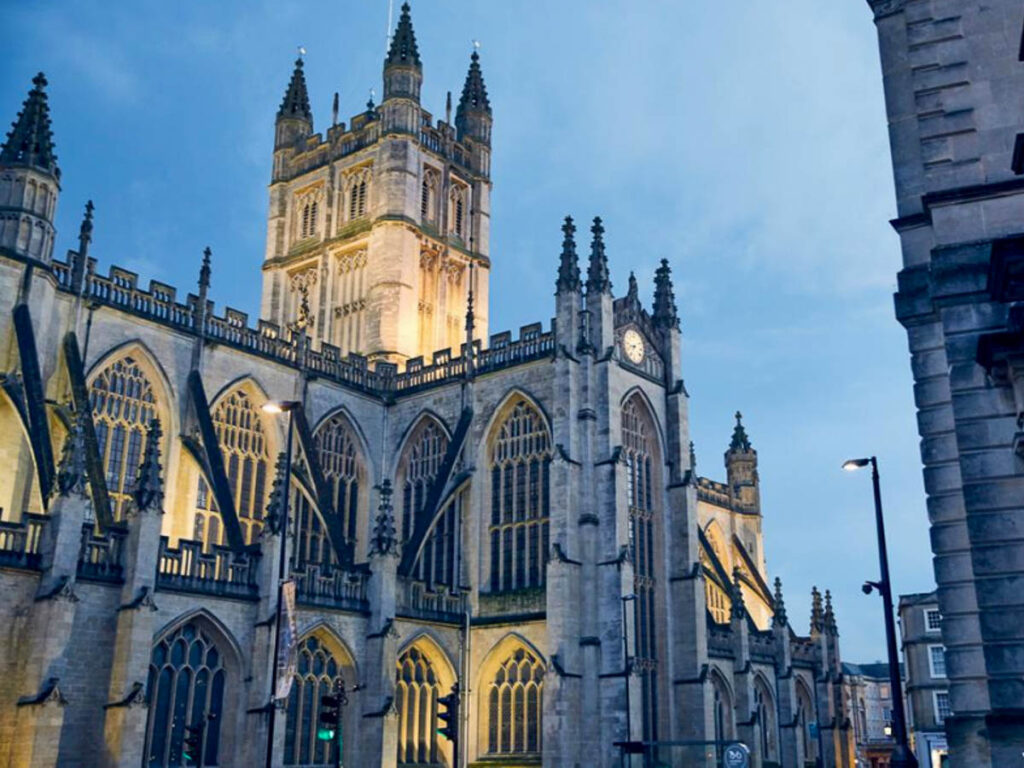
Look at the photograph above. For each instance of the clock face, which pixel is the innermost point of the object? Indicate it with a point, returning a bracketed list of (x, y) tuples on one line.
[(633, 346)]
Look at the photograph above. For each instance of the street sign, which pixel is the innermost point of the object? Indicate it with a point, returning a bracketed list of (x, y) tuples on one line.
[(736, 756)]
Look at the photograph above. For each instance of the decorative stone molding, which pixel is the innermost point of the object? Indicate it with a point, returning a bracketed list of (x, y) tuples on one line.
[(353, 260)]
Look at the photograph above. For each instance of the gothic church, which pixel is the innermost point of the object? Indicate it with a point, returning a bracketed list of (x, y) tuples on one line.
[(518, 515)]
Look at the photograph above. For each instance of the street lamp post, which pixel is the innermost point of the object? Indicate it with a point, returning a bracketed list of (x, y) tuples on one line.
[(277, 407), (902, 756)]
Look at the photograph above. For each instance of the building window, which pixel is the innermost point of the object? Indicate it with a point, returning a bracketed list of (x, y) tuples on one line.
[(315, 673), (932, 620), (514, 706), (766, 719), (520, 478), (244, 448), (186, 687), (416, 693), (457, 210), (308, 222), (638, 454), (123, 404), (357, 197), (942, 709), (343, 471), (937, 660), (428, 195)]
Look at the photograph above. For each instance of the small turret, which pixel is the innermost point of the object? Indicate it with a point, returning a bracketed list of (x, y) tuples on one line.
[(403, 70), (830, 617), (294, 118), (741, 468), (665, 314), (598, 280), (817, 613), (473, 116), (148, 492), (738, 608), (30, 179), (569, 263), (80, 260), (779, 618)]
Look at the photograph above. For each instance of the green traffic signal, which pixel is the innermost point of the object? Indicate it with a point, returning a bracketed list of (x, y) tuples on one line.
[(325, 734)]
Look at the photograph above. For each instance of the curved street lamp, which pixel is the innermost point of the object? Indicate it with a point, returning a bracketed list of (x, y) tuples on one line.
[(902, 755)]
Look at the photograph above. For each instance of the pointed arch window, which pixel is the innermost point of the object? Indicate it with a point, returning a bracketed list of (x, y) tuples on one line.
[(457, 209), (418, 470), (514, 704), (416, 692), (520, 504), (766, 719), (315, 673), (722, 703), (123, 403), (342, 467), (243, 445), (806, 717), (187, 683), (357, 196), (428, 195), (638, 453)]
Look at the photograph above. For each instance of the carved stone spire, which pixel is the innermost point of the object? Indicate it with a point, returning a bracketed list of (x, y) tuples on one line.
[(633, 291), (29, 143), (665, 313), (817, 613), (740, 442), (148, 492), (779, 617), (403, 70), (295, 105), (383, 538), (473, 115), (830, 617), (569, 263), (598, 280), (82, 257)]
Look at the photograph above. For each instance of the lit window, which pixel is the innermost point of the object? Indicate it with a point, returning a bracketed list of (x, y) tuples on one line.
[(316, 671), (932, 619), (942, 709), (937, 660), (514, 706), (416, 693)]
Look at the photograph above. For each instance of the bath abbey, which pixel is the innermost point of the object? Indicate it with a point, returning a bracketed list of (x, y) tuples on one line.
[(362, 529)]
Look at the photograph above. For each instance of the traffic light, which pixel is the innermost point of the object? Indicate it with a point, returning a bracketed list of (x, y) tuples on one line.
[(330, 717), (449, 715), (193, 746)]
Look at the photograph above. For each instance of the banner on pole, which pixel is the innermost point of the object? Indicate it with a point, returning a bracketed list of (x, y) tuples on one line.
[(286, 651)]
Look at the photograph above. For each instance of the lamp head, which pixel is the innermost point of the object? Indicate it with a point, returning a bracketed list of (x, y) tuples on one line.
[(852, 465), (276, 407)]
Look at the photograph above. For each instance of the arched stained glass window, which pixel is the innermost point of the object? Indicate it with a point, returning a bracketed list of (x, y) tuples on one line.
[(315, 674), (722, 714), (766, 719), (638, 452), (416, 692), (807, 716), (421, 461), (187, 681), (520, 478), (514, 700), (244, 448), (123, 403)]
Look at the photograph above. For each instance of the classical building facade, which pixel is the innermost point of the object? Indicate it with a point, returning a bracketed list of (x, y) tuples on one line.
[(927, 684), (869, 699), (521, 516), (954, 87)]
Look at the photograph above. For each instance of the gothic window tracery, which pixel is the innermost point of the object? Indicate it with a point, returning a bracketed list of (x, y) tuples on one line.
[(638, 443), (806, 717), (123, 403), (722, 713), (520, 504), (315, 673), (428, 195), (457, 209), (342, 467), (243, 445), (187, 684), (357, 190), (350, 301), (416, 692), (514, 703), (766, 722), (422, 459)]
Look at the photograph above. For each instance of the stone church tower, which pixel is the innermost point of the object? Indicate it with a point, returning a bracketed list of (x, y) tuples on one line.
[(515, 520), (378, 231)]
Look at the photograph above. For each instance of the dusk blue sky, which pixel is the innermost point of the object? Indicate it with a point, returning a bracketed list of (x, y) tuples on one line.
[(744, 142)]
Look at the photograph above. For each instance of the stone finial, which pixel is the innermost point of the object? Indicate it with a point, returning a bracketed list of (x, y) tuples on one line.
[(383, 538), (740, 442), (204, 271), (817, 613), (278, 489), (665, 314), (71, 474), (295, 104), (148, 492), (633, 292), (334, 110), (738, 609), (598, 280), (829, 616), (403, 51), (85, 231), (693, 457), (569, 263), (779, 617), (474, 92), (29, 143)]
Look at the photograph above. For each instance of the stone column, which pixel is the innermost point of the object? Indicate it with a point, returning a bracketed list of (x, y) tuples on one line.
[(747, 715), (125, 726), (790, 744)]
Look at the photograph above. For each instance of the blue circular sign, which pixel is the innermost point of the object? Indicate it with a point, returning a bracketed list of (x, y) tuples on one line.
[(736, 756)]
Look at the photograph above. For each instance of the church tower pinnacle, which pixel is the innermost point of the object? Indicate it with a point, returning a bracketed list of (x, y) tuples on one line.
[(32, 185), (294, 118), (473, 116), (741, 467), (403, 70)]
